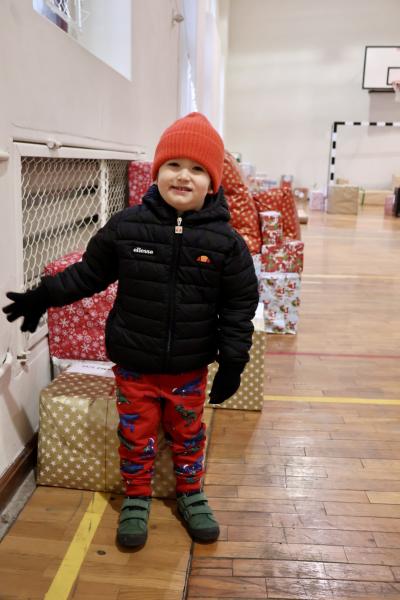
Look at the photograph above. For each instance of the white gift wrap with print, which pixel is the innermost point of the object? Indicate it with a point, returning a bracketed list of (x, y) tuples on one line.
[(317, 200), (257, 265), (271, 227), (78, 443), (285, 258), (280, 293)]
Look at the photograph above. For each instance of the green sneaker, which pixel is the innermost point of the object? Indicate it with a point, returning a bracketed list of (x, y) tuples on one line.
[(132, 526), (199, 518)]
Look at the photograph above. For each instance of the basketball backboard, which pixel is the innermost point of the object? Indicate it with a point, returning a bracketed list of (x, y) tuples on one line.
[(381, 67)]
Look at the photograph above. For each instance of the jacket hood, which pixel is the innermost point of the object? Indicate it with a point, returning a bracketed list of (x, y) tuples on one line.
[(215, 207)]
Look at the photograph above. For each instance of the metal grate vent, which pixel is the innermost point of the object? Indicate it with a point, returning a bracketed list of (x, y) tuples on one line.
[(64, 202)]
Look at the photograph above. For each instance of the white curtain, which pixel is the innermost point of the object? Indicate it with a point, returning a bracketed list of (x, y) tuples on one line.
[(202, 60)]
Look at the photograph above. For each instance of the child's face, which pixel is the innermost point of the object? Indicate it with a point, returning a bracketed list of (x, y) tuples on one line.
[(183, 184)]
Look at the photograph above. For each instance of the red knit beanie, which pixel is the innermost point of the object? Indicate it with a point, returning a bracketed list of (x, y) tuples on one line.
[(192, 137)]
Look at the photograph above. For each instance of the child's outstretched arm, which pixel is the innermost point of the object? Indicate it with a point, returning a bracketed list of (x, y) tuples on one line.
[(238, 303), (98, 268)]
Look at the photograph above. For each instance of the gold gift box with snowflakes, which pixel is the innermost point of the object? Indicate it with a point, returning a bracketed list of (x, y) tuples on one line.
[(78, 443), (250, 394)]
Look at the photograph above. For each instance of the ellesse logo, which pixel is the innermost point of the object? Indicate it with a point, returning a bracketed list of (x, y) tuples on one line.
[(139, 250), (203, 259)]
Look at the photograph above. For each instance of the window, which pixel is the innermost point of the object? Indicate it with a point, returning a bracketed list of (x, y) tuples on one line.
[(100, 26)]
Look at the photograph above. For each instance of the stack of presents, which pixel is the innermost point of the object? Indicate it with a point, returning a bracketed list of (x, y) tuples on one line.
[(344, 198), (78, 444)]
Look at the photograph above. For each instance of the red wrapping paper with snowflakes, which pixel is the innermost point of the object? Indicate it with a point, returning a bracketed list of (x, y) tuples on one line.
[(77, 330), (139, 179), (280, 293), (244, 213), (281, 200), (285, 258)]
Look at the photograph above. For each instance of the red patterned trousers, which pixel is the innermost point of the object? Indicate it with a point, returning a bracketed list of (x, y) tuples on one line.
[(177, 403)]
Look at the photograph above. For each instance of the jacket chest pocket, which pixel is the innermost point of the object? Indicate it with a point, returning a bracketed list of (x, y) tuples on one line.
[(201, 268), (137, 250)]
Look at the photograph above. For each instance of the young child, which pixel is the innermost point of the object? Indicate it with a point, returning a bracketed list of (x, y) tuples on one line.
[(187, 293)]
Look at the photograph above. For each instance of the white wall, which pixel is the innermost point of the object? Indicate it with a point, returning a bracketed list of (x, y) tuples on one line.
[(52, 87), (296, 67), (368, 156)]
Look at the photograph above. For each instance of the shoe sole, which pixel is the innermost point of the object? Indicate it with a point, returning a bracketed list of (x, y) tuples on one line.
[(210, 536), (201, 535), (131, 541)]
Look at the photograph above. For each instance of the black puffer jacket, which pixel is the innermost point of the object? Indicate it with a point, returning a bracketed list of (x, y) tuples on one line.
[(184, 299)]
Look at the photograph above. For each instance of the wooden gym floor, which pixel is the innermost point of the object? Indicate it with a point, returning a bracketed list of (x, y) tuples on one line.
[(307, 492)]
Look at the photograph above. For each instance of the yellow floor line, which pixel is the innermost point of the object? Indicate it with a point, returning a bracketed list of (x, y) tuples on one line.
[(68, 571), (333, 399)]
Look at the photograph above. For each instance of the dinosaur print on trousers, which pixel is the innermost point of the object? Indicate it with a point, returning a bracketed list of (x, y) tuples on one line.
[(175, 402)]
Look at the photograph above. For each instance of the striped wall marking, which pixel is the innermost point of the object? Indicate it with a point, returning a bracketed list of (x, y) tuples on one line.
[(333, 400), (336, 124), (69, 568)]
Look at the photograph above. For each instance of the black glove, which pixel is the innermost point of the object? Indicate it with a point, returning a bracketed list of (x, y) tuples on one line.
[(226, 382), (31, 305)]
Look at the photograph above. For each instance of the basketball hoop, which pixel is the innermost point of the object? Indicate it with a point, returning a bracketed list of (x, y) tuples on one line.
[(396, 89)]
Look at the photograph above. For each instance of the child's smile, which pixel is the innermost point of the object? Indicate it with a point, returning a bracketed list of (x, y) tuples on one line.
[(181, 189)]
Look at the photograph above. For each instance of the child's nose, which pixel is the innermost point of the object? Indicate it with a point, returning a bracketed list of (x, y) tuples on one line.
[(183, 174)]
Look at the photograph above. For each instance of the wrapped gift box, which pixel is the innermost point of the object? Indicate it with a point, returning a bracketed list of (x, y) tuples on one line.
[(86, 367), (77, 330), (342, 199), (251, 392), (78, 443), (139, 180), (271, 227), (375, 197), (286, 258), (244, 214), (261, 182), (247, 170), (257, 265), (281, 200), (300, 193), (389, 205), (272, 237), (317, 200), (280, 293)]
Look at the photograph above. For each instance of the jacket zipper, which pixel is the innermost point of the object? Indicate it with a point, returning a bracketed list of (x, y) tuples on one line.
[(177, 240)]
